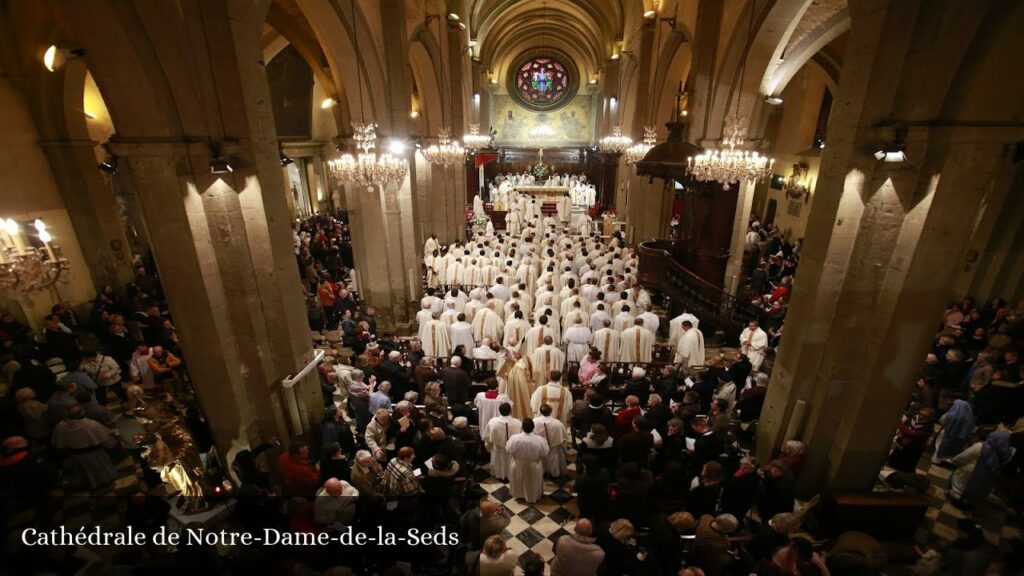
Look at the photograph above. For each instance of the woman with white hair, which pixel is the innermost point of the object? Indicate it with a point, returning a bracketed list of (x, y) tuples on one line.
[(436, 405), (495, 559), (793, 456)]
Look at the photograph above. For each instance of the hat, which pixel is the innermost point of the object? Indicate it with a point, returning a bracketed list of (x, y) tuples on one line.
[(785, 523), (725, 523), (639, 372), (372, 346), (460, 422)]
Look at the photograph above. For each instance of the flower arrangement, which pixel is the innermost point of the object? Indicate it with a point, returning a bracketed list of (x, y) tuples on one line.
[(540, 170)]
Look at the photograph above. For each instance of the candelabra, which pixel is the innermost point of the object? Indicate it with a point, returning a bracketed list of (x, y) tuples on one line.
[(615, 142), (636, 152), (475, 140), (368, 168), (727, 165), (25, 269), (446, 152)]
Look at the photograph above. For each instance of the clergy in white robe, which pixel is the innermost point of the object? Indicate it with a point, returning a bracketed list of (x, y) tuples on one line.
[(555, 395), (498, 432), (487, 404), (636, 344), (461, 332), (754, 343), (690, 348), (598, 317), (528, 451), (553, 432), (484, 351), (624, 319), (458, 297), (434, 337), (546, 360), (422, 317), (430, 245), (471, 309), (640, 297), (578, 339), (675, 326), (487, 324), (535, 336), (518, 383), (515, 332), (450, 315), (607, 341), (651, 321)]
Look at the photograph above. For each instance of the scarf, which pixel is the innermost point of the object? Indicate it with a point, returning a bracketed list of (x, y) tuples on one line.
[(959, 421)]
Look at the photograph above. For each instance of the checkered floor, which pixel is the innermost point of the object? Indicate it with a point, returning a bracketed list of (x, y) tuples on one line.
[(939, 527), (536, 527)]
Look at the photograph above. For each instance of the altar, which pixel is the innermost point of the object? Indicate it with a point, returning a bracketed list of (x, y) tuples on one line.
[(543, 191)]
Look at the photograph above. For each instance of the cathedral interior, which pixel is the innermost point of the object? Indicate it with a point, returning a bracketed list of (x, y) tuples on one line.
[(225, 223)]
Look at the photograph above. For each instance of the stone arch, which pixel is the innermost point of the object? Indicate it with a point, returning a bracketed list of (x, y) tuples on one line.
[(425, 63)]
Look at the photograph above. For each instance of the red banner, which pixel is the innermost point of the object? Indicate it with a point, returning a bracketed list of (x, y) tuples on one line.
[(480, 159)]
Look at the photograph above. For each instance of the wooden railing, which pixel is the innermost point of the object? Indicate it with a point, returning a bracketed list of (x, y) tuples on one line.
[(718, 310)]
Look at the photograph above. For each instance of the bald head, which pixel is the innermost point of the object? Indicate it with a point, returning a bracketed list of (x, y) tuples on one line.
[(584, 527), (333, 487), (489, 508)]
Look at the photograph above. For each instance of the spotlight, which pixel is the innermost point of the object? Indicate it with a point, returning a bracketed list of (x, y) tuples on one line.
[(285, 159), (414, 114), (593, 80), (327, 103), (650, 14), (773, 100), (452, 16), (890, 153), (218, 164), (462, 26), (109, 165), (615, 56), (55, 57)]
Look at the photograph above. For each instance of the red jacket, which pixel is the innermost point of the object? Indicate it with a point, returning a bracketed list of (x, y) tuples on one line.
[(624, 420), (299, 478)]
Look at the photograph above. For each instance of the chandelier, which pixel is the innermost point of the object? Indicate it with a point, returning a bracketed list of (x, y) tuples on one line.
[(446, 152), (616, 142), (26, 269), (367, 168), (727, 165), (475, 140), (636, 152)]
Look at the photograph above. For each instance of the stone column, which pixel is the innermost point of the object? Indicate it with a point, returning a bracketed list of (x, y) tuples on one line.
[(609, 172), (232, 287), (734, 267), (93, 210), (883, 245)]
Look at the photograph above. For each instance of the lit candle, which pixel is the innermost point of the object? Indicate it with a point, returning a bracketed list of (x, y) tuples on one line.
[(45, 237), (14, 231)]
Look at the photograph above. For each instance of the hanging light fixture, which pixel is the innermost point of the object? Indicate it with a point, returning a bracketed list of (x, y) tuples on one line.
[(445, 152), (366, 168), (727, 164), (637, 151), (475, 140), (616, 142), (26, 268)]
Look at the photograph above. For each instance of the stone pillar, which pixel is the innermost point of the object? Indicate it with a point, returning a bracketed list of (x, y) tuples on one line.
[(609, 179), (231, 284), (93, 210), (883, 244), (734, 268)]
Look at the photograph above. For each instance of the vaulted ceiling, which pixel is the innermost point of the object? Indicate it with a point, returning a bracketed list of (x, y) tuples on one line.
[(586, 30)]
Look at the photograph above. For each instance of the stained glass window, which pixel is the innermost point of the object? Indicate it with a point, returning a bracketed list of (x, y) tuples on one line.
[(542, 83)]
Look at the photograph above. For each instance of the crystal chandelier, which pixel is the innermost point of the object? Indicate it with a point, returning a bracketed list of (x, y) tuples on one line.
[(367, 168), (636, 152), (616, 142), (446, 152), (475, 140), (26, 269), (727, 165)]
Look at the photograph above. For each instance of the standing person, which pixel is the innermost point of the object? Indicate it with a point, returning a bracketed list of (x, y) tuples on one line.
[(86, 442), (553, 394), (553, 432), (606, 340), (164, 367), (105, 372), (528, 451), (754, 343), (487, 404), (978, 468), (911, 441), (299, 476), (690, 348), (576, 554), (546, 359), (497, 433), (636, 344), (519, 384), (957, 427), (579, 339)]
